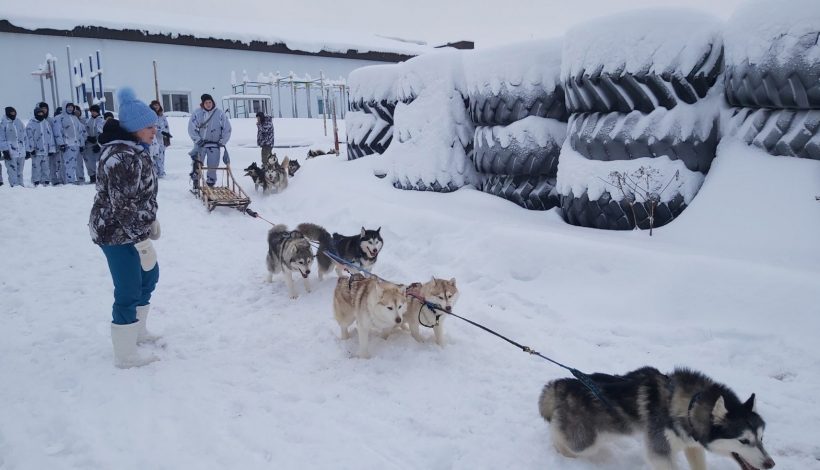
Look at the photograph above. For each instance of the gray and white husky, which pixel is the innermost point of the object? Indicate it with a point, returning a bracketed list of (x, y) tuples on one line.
[(684, 410), (362, 249), (289, 251)]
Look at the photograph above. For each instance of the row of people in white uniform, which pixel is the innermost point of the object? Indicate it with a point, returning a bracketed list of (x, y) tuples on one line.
[(64, 147)]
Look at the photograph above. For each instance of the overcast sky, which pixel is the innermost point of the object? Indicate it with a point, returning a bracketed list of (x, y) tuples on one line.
[(486, 22), (434, 21)]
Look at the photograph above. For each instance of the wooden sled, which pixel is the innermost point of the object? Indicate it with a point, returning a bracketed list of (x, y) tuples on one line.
[(224, 193)]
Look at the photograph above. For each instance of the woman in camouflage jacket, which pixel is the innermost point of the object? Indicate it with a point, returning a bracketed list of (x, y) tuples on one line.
[(123, 222)]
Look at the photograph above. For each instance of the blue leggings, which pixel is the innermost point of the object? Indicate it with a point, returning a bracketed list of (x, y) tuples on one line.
[(132, 285)]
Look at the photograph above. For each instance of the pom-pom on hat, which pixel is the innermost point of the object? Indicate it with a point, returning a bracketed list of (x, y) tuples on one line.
[(134, 114)]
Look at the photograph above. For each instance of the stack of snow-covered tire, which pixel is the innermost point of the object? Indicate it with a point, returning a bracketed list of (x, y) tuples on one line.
[(643, 132), (517, 106), (432, 131), (372, 102), (773, 77)]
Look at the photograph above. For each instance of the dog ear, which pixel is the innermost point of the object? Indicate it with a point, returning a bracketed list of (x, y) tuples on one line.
[(453, 281), (378, 230), (285, 162), (363, 232), (719, 411), (751, 404)]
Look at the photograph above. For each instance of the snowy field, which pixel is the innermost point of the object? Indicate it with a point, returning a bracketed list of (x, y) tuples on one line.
[(250, 379)]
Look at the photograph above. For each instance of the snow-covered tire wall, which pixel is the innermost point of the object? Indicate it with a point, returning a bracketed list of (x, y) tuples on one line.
[(518, 106), (644, 132), (372, 102), (773, 77)]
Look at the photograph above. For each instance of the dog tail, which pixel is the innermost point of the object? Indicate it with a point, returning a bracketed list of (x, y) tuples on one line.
[(318, 233), (276, 229), (547, 400)]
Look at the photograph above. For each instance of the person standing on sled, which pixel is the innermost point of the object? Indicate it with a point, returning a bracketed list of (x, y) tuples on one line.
[(209, 129), (123, 222)]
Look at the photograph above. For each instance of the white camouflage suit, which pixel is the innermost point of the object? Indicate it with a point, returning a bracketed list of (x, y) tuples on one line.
[(209, 130), (72, 133), (13, 144), (92, 149), (41, 145)]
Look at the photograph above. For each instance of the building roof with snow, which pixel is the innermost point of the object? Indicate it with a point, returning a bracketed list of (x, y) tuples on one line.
[(249, 35)]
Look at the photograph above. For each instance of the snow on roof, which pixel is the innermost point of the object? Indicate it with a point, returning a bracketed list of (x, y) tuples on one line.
[(658, 40), (66, 16), (751, 32)]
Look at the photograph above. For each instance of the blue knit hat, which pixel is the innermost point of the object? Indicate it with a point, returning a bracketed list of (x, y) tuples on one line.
[(134, 114)]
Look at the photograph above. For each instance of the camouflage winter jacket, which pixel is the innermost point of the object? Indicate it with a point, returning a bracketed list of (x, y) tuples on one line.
[(264, 132), (126, 200)]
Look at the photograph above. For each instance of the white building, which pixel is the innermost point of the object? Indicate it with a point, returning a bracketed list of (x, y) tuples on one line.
[(189, 61)]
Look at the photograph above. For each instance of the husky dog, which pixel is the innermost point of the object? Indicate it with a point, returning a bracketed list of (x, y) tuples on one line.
[(289, 251), (317, 233), (361, 249), (372, 303), (293, 167), (276, 174), (257, 174), (442, 292), (684, 410)]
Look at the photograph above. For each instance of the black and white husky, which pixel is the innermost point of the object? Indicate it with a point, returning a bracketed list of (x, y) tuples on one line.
[(362, 249), (289, 251), (684, 410)]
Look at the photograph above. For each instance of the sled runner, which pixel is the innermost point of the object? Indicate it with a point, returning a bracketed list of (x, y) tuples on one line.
[(224, 193)]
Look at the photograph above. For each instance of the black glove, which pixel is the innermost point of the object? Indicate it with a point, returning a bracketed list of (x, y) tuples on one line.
[(165, 134), (6, 155), (91, 139), (63, 147), (96, 148), (28, 155), (52, 153)]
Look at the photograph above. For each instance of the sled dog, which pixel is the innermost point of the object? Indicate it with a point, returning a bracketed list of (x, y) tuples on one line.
[(257, 175), (318, 234), (276, 174), (684, 410), (375, 306), (442, 292), (293, 167), (289, 251)]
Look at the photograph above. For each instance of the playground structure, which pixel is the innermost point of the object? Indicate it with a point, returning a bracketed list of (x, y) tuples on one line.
[(78, 82), (250, 97)]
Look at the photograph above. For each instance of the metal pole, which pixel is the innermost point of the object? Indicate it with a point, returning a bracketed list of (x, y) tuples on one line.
[(307, 98), (156, 82), (56, 91), (42, 89), (99, 82), (324, 102), (295, 108), (335, 128), (76, 88), (93, 78), (85, 92), (70, 75)]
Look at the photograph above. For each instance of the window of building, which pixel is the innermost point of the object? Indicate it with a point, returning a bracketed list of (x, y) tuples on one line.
[(321, 102), (176, 101), (109, 100)]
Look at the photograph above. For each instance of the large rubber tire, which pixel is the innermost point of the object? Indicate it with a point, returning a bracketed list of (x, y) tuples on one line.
[(592, 90), (510, 105), (498, 153), (615, 136), (374, 139), (421, 185), (606, 213), (786, 77), (530, 192), (779, 132)]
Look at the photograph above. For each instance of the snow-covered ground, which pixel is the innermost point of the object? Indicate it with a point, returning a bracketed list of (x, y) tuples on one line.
[(250, 379)]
